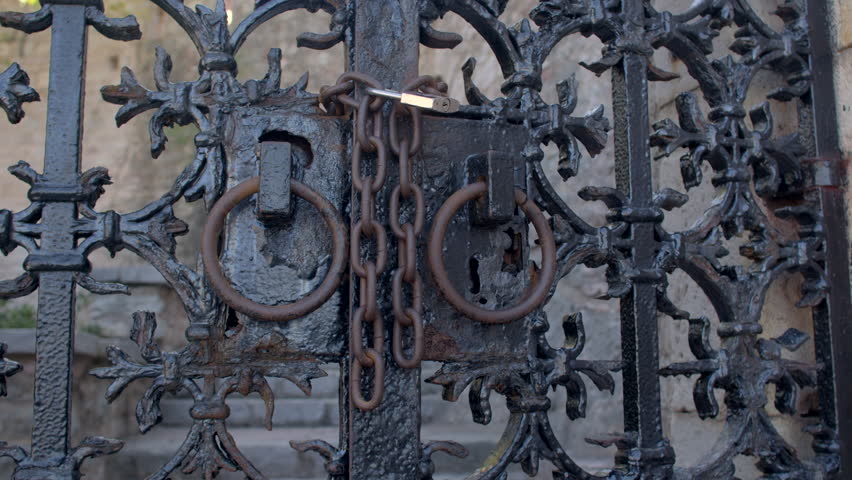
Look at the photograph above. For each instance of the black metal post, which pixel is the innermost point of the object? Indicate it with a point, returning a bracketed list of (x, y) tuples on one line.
[(639, 330), (56, 301), (832, 319), (386, 441)]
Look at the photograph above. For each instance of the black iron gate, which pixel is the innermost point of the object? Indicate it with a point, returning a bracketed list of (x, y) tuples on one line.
[(379, 280)]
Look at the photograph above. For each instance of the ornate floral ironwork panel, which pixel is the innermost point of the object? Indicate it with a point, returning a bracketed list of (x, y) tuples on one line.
[(343, 237)]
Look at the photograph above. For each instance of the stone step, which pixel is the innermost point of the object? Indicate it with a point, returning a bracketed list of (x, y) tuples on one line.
[(250, 412), (328, 386), (270, 452), (311, 412)]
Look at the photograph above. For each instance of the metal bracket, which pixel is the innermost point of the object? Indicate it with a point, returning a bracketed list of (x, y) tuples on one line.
[(825, 171), (56, 192), (497, 170), (53, 261), (276, 165)]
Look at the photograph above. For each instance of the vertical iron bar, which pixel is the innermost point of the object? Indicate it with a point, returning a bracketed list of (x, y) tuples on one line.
[(640, 348), (56, 300), (385, 442), (832, 319)]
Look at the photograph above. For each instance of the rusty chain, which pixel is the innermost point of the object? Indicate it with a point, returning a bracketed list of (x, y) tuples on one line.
[(407, 233), (369, 139)]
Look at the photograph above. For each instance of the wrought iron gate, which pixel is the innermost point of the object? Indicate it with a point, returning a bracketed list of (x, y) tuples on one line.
[(365, 150)]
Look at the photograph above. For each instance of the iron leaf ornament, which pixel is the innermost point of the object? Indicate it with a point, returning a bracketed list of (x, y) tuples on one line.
[(7, 369), (208, 447), (750, 164)]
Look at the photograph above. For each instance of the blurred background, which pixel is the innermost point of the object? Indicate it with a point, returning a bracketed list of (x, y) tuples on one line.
[(139, 179)]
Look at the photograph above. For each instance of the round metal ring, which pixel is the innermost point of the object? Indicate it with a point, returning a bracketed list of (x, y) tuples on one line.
[(533, 296), (279, 313)]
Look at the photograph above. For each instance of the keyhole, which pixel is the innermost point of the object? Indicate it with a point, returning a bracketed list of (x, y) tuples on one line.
[(473, 266), (475, 283), (232, 323)]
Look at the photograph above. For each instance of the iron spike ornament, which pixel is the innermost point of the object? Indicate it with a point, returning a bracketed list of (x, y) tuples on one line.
[(732, 143)]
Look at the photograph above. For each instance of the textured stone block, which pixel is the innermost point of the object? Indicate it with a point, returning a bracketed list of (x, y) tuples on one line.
[(845, 25)]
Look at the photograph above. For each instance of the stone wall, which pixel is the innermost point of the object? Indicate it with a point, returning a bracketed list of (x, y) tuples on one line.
[(843, 81), (139, 179)]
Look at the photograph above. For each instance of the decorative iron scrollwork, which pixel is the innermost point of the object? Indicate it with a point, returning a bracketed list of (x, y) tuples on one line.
[(744, 152), (761, 176)]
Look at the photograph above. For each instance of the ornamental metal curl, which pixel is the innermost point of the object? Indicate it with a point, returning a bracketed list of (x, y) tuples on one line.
[(745, 156)]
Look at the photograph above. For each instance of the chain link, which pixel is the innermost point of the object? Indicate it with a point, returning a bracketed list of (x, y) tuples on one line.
[(407, 233), (368, 138)]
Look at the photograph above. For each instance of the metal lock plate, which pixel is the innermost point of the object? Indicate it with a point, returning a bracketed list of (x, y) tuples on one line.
[(278, 259), (489, 266)]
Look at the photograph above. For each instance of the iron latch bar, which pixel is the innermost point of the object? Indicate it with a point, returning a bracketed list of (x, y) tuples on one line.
[(497, 170), (273, 202)]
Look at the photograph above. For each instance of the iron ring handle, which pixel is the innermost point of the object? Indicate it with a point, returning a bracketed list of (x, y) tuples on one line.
[(533, 296), (279, 313)]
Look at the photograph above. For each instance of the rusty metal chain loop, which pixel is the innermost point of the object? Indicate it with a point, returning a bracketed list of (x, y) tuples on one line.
[(407, 233), (338, 94), (233, 298), (368, 138), (532, 298)]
